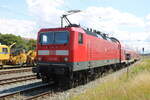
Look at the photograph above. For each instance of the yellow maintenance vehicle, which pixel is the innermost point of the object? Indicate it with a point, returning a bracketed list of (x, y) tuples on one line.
[(18, 57), (4, 54), (31, 58), (22, 58)]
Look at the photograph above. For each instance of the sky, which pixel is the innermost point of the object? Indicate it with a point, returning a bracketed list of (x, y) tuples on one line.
[(127, 20)]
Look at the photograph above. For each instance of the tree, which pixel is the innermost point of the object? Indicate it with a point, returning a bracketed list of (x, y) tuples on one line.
[(31, 44), (8, 39)]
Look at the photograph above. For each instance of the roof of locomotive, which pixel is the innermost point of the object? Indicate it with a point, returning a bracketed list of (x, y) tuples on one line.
[(79, 29)]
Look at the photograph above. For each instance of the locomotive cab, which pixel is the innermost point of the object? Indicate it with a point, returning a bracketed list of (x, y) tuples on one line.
[(4, 54), (52, 45)]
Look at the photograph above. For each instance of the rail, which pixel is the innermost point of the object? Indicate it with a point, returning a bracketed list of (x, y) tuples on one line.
[(17, 79), (8, 95), (16, 71)]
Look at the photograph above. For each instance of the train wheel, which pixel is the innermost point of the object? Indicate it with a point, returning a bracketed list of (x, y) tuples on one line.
[(70, 84), (65, 82), (114, 67), (85, 79), (70, 81), (75, 81)]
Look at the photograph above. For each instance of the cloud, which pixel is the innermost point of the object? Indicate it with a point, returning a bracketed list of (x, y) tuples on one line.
[(23, 28), (46, 12), (109, 17), (148, 17), (147, 24)]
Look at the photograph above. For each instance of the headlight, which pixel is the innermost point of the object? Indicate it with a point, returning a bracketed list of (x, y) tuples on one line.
[(66, 59), (39, 58)]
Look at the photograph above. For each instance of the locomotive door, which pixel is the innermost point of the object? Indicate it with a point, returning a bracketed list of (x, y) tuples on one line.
[(81, 47), (89, 53)]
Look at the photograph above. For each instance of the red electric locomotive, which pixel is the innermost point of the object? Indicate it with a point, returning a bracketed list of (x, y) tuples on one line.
[(72, 53)]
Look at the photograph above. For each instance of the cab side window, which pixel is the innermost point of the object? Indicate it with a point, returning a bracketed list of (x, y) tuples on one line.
[(80, 38), (5, 50)]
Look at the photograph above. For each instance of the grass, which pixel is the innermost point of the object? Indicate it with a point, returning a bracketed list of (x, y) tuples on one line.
[(134, 86)]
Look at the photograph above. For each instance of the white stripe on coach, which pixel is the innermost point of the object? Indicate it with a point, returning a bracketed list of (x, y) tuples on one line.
[(43, 52), (62, 52)]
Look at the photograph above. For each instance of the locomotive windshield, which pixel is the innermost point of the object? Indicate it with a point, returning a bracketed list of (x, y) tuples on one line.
[(57, 37)]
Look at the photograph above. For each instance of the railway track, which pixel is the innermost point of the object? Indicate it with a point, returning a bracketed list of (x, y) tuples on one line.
[(44, 94), (17, 79), (2, 72), (40, 95), (11, 67), (23, 91)]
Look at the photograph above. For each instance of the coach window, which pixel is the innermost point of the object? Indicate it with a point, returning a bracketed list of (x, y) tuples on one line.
[(80, 38)]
